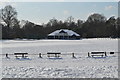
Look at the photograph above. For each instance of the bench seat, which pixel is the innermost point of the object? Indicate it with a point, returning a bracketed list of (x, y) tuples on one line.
[(97, 54), (22, 55), (53, 54)]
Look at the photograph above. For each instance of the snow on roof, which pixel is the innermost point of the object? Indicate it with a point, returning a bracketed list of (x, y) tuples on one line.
[(69, 32)]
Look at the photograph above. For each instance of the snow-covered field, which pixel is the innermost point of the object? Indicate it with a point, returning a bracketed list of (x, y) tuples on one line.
[(66, 66)]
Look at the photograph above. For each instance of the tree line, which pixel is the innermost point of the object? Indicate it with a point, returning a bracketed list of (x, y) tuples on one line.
[(96, 26)]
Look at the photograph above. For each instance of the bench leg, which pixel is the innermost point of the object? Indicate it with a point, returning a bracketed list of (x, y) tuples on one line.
[(105, 54), (48, 55), (88, 54), (7, 56), (102, 55), (16, 57), (40, 55)]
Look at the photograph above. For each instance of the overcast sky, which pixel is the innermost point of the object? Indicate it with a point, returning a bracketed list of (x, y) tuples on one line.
[(42, 12)]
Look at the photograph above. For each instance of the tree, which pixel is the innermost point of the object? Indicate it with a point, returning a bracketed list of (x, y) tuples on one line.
[(96, 17), (53, 22), (118, 27), (95, 26), (17, 32), (8, 14), (1, 31), (28, 30), (79, 23), (70, 20), (111, 27)]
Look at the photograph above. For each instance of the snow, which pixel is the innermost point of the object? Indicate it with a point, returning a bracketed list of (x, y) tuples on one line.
[(0, 60), (64, 67)]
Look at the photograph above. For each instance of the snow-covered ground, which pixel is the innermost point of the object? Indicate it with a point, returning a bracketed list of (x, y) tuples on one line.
[(66, 66)]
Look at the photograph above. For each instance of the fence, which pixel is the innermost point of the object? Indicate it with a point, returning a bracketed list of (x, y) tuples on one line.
[(72, 54)]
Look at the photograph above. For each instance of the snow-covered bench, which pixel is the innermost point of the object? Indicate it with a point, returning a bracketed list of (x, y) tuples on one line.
[(97, 54), (20, 55), (53, 54)]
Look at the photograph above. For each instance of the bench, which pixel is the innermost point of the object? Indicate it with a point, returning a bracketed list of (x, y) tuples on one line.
[(20, 55), (97, 54), (53, 54)]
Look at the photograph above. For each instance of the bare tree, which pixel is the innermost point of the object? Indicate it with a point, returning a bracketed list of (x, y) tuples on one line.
[(8, 15), (79, 22), (53, 22), (70, 19)]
